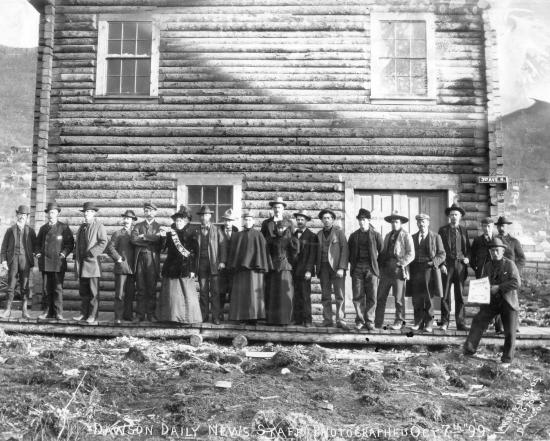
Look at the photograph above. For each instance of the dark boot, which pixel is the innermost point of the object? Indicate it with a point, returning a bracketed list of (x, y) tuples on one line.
[(7, 312), (24, 313)]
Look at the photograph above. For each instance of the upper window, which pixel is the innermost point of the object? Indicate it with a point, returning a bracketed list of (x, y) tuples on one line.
[(218, 197), (127, 58), (403, 56)]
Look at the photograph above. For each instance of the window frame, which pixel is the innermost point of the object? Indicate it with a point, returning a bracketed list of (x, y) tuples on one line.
[(214, 180), (378, 91), (102, 53)]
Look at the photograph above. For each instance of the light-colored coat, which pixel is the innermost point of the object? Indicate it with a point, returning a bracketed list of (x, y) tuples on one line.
[(88, 265), (403, 250)]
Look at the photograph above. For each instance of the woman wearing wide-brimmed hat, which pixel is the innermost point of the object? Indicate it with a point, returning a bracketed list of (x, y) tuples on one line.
[(179, 300)]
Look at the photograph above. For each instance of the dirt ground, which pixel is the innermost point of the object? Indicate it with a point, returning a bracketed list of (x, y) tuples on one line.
[(124, 388)]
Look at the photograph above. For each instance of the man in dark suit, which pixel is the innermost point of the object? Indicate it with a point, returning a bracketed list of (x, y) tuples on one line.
[(426, 282), (455, 270), (303, 269), (122, 252), (331, 265), (365, 244), (480, 246), (225, 277), (17, 256), (54, 243), (91, 240), (505, 281), (148, 242), (211, 259)]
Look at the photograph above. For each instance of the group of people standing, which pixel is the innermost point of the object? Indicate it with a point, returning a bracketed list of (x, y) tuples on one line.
[(267, 274)]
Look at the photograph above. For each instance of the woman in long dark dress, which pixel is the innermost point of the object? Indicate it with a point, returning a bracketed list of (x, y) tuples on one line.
[(283, 249), (179, 299)]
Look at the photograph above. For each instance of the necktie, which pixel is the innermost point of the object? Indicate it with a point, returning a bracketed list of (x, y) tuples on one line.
[(421, 237)]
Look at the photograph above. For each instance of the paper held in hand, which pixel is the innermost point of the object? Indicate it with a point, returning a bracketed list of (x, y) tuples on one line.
[(480, 291)]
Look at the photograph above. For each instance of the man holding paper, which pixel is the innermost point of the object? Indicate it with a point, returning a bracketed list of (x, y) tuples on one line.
[(504, 282)]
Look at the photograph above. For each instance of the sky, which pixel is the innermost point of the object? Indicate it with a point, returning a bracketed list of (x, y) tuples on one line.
[(523, 29)]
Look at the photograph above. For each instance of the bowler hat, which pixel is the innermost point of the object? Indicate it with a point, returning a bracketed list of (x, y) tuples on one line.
[(325, 211), (303, 214), (129, 213), (454, 207), (228, 214), (149, 204), (487, 220), (183, 213), (53, 206), (89, 206), (23, 209), (422, 216), (503, 220), (205, 209), (497, 242), (278, 200), (363, 213), (396, 216)]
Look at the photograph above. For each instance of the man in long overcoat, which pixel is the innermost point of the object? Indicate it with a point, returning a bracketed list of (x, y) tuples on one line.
[(148, 242), (505, 281), (480, 246), (17, 256), (91, 240), (54, 243), (225, 276), (122, 252), (426, 282), (331, 265), (455, 270), (397, 253), (365, 244), (304, 269), (211, 259)]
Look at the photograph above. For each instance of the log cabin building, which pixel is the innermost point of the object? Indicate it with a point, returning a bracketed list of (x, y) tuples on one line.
[(382, 104)]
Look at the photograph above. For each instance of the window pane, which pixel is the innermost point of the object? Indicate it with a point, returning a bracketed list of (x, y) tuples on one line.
[(388, 83), (387, 29), (209, 195), (143, 67), (419, 86), (418, 68), (387, 67), (418, 49), (402, 68), (387, 48), (115, 30), (402, 48), (129, 68), (144, 47), (113, 67), (221, 210), (128, 85), (129, 47), (129, 31), (114, 47), (143, 85), (113, 85), (403, 30), (419, 30), (403, 85), (144, 31), (225, 194), (194, 194), (193, 209)]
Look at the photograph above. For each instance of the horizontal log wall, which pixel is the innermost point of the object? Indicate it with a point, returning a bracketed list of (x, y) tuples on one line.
[(278, 91)]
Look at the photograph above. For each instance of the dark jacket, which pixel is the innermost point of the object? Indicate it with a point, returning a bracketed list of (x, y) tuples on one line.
[(52, 241), (433, 280), (175, 265), (507, 277), (8, 244), (217, 250), (376, 244), (514, 252), (268, 228), (338, 253), (445, 234), (249, 252), (120, 247), (283, 251), (88, 265), (151, 241), (480, 254), (307, 254)]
